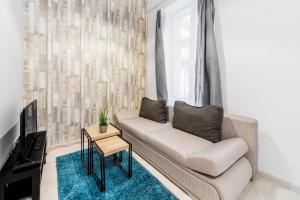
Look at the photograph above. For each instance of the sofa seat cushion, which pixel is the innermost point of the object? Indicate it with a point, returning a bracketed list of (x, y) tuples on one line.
[(140, 126), (175, 144), (217, 158)]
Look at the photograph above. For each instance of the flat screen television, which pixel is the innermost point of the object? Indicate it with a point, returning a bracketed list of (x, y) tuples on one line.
[(28, 125)]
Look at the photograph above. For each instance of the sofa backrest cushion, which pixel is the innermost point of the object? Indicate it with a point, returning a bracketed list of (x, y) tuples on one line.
[(155, 110), (205, 122)]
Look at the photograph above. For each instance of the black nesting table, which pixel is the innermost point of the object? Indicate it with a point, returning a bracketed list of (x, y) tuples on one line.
[(111, 146), (91, 134)]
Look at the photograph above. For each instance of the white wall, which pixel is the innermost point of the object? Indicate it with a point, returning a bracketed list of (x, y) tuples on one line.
[(259, 50), (11, 72), (261, 44)]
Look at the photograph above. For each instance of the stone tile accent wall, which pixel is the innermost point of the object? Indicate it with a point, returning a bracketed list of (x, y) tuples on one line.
[(81, 55)]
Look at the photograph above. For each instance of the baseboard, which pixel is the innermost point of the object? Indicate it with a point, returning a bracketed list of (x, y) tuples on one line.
[(67, 144), (280, 182)]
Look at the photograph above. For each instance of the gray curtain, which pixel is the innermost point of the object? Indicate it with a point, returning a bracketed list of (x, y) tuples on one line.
[(207, 72), (161, 80)]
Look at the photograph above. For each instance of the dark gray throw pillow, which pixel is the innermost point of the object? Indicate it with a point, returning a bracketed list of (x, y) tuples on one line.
[(205, 122), (155, 110)]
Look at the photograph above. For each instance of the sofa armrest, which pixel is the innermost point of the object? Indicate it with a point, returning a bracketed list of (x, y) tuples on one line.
[(218, 157), (124, 115), (246, 128)]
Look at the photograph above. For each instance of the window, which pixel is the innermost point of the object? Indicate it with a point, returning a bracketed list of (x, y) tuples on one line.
[(180, 28)]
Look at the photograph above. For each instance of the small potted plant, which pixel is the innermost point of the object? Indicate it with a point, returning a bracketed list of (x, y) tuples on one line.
[(103, 120)]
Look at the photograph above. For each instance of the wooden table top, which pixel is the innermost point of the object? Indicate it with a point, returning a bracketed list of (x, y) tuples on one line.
[(111, 145), (94, 132)]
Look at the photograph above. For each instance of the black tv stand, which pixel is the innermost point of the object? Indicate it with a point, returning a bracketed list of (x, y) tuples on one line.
[(18, 184)]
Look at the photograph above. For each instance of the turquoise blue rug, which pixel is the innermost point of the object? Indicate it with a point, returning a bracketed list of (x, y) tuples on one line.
[(75, 184)]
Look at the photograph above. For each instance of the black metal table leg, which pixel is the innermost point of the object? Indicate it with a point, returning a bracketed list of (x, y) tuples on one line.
[(121, 156), (88, 155), (130, 160), (121, 153), (117, 161), (85, 164), (100, 182), (81, 148), (121, 135), (103, 171), (90, 151)]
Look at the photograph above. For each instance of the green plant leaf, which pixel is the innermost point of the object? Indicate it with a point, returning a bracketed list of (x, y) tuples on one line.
[(103, 116)]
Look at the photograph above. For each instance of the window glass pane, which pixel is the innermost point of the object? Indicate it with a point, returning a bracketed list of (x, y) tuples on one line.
[(181, 72), (184, 56), (185, 26), (180, 39)]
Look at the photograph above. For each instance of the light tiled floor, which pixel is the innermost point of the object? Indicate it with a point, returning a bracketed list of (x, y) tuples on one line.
[(259, 189)]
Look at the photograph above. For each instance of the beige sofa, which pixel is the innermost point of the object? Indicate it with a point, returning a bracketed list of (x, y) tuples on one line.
[(202, 169)]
